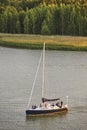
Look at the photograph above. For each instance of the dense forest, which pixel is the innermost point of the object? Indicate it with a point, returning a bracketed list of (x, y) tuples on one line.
[(47, 17)]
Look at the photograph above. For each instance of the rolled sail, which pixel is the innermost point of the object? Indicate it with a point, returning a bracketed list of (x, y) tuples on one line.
[(47, 100)]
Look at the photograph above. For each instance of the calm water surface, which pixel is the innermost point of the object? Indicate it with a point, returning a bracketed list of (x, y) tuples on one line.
[(65, 73)]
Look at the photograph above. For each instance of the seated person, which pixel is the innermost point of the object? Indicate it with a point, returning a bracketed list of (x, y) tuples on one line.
[(34, 106), (59, 104)]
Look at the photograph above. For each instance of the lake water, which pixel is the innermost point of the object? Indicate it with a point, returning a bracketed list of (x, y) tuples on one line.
[(65, 75)]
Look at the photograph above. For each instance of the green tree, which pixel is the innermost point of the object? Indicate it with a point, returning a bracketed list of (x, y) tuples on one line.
[(18, 28), (26, 24), (30, 25), (49, 19), (21, 20), (72, 24), (45, 30), (2, 23), (84, 26), (62, 18), (66, 19), (37, 20), (78, 23), (11, 19), (4, 2), (58, 21)]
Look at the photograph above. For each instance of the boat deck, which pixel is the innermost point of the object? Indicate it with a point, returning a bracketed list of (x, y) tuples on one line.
[(49, 110)]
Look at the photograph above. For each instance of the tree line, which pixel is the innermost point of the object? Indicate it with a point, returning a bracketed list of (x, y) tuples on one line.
[(47, 17)]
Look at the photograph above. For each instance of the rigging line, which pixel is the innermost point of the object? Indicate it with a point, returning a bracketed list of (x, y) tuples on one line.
[(34, 81)]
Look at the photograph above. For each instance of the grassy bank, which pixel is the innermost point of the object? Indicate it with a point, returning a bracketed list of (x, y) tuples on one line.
[(36, 42)]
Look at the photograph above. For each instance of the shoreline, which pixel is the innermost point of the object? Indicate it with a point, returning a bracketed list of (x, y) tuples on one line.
[(56, 42)]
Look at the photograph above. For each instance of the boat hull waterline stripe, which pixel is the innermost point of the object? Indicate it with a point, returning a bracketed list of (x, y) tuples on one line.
[(45, 112)]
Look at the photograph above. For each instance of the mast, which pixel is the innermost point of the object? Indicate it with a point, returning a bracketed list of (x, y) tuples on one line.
[(43, 78)]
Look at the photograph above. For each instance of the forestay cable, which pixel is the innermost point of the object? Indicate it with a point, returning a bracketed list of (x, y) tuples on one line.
[(34, 81)]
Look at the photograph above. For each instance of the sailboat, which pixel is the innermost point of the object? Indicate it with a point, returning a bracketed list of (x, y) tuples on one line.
[(47, 106)]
